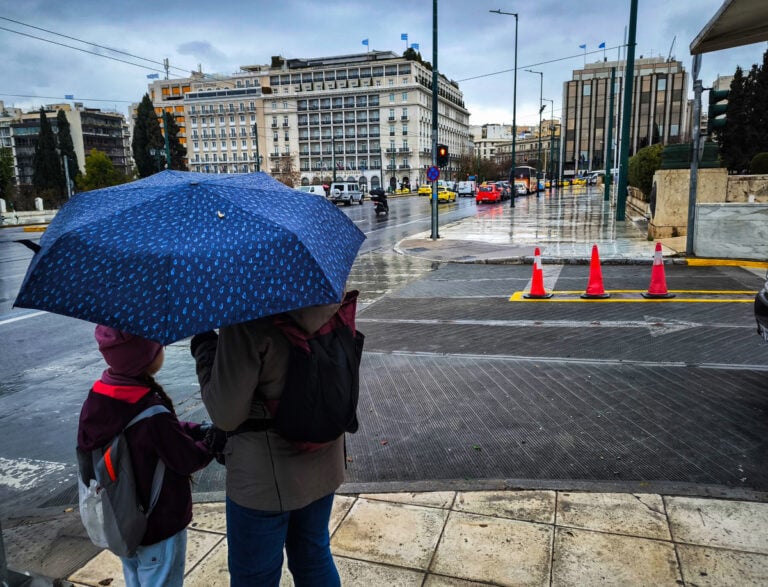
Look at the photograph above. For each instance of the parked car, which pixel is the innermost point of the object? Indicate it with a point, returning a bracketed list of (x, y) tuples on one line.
[(521, 189), (445, 195), (347, 192), (425, 189), (488, 193), (506, 193), (317, 190)]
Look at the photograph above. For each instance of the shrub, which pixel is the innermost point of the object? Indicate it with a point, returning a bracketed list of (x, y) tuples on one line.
[(643, 165), (759, 163)]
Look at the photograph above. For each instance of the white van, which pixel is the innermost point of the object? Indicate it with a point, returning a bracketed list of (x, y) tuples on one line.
[(466, 188), (347, 192), (317, 190)]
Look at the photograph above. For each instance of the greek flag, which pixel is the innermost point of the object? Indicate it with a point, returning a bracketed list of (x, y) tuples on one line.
[(404, 36), (365, 42), (415, 46), (582, 46), (601, 45), (153, 76), (69, 96)]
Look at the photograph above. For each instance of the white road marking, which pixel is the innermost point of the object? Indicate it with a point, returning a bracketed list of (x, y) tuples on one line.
[(24, 317), (23, 474)]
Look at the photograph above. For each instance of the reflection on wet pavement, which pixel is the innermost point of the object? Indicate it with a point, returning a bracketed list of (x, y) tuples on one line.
[(376, 274)]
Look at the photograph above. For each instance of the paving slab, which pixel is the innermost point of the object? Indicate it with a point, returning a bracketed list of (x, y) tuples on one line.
[(440, 581), (632, 514), (526, 506), (435, 499), (356, 572), (107, 566), (212, 570), (494, 550), (395, 534), (717, 567), (584, 557), (738, 525), (209, 516)]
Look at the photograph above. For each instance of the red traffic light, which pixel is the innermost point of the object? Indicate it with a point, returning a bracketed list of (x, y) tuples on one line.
[(442, 155)]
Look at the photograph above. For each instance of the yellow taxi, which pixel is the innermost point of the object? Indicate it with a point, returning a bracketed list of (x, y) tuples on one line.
[(425, 189), (445, 195)]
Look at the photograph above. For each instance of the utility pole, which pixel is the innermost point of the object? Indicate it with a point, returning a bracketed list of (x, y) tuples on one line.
[(66, 176), (541, 109), (167, 140), (609, 152), (621, 196), (695, 154), (434, 234), (514, 113)]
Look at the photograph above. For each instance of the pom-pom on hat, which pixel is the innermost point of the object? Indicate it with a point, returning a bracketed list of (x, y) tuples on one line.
[(125, 353)]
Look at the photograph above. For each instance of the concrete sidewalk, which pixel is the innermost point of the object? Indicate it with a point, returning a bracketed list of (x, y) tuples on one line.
[(557, 538)]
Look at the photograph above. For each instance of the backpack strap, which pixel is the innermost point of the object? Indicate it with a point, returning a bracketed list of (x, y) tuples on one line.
[(157, 477)]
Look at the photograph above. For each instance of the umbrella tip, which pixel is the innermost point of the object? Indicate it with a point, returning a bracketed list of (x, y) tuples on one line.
[(220, 213)]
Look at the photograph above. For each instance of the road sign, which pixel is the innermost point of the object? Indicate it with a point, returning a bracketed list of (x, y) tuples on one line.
[(433, 173)]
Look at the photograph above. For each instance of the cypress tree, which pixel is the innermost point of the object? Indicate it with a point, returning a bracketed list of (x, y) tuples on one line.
[(178, 152), (147, 137), (760, 109), (66, 146), (47, 176), (734, 138)]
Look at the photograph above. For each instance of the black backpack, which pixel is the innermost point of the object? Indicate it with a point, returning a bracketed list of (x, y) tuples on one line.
[(319, 400)]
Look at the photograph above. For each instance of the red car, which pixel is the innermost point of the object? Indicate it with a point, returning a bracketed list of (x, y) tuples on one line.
[(488, 193)]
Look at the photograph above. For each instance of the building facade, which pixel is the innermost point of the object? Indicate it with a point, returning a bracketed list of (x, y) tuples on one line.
[(90, 128), (659, 110), (365, 117)]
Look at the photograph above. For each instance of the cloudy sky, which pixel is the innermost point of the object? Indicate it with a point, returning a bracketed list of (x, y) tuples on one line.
[(476, 47)]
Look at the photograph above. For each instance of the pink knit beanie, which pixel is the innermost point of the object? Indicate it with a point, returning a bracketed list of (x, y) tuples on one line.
[(125, 353)]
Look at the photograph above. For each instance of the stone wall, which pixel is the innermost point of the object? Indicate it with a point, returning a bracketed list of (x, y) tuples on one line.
[(747, 188), (732, 231), (669, 208)]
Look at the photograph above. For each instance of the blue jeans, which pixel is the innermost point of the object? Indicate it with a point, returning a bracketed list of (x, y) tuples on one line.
[(161, 563), (256, 540)]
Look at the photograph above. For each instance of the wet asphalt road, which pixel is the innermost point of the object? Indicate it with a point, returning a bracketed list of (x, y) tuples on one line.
[(459, 383)]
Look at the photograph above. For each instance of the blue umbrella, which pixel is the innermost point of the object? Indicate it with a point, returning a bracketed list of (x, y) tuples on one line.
[(179, 253)]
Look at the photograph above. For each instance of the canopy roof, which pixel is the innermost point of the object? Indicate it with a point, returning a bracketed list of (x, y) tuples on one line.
[(737, 23)]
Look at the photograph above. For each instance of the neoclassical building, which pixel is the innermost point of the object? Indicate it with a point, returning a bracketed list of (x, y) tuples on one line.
[(365, 117)]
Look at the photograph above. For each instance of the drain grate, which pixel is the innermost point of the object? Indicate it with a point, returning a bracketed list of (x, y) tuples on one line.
[(67, 496)]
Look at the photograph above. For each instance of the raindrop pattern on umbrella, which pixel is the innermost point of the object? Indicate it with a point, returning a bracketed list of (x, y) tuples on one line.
[(180, 253)]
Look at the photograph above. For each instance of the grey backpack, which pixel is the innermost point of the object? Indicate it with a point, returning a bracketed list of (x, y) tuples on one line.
[(110, 508)]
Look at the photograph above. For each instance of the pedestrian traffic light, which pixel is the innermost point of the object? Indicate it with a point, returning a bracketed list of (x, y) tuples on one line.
[(716, 113), (442, 155)]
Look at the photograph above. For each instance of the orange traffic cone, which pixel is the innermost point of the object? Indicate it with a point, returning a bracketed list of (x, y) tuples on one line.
[(537, 281), (595, 285), (658, 286)]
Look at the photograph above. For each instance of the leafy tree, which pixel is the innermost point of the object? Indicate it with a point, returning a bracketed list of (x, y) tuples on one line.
[(66, 146), (47, 176), (147, 137), (759, 164), (178, 152), (100, 172), (6, 174), (642, 166)]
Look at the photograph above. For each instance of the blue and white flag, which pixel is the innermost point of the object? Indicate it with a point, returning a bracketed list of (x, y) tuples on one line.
[(415, 46), (69, 96), (601, 45), (403, 36), (365, 42), (153, 76), (582, 46)]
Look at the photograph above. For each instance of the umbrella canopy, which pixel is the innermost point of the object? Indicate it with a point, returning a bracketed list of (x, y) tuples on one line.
[(179, 253)]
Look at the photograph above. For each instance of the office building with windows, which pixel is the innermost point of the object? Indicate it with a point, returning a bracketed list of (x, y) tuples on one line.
[(365, 117), (659, 110)]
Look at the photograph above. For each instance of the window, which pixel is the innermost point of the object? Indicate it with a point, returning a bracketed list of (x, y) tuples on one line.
[(244, 143), (242, 118), (232, 119), (285, 104), (405, 96), (221, 120), (196, 145), (391, 97), (586, 90), (661, 84), (274, 105)]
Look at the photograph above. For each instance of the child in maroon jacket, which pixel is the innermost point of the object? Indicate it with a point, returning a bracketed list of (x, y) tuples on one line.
[(125, 389)]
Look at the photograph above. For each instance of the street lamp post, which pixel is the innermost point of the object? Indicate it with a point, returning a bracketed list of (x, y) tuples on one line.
[(552, 130), (256, 138), (541, 109), (514, 111)]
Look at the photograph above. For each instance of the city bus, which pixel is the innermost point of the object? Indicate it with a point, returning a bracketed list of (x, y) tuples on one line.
[(526, 176)]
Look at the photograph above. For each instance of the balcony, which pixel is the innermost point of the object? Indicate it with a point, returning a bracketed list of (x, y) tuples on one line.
[(391, 118), (391, 150), (404, 150), (390, 166), (405, 167), (404, 117)]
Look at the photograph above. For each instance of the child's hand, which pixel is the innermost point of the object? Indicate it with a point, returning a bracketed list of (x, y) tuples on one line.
[(216, 439)]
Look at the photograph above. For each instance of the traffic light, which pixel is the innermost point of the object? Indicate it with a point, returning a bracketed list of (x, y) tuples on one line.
[(716, 109), (442, 155)]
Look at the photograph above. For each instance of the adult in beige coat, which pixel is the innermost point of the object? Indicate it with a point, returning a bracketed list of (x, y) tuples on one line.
[(277, 494)]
